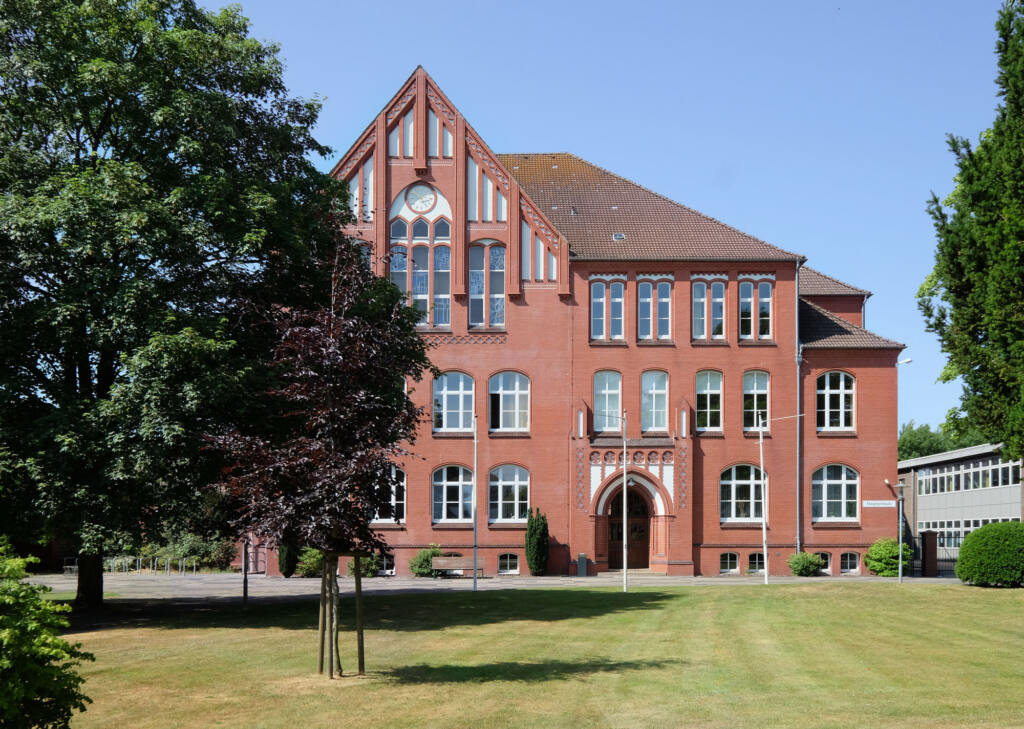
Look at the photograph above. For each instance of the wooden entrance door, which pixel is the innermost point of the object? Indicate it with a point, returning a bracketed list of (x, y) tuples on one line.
[(638, 522)]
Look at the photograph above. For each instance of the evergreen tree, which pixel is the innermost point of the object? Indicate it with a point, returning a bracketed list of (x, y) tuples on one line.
[(972, 298), (537, 542)]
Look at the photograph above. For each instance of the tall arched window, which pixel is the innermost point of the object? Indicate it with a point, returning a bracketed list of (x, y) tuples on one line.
[(509, 402), (741, 491), (486, 285), (834, 493), (653, 310), (509, 491), (419, 267), (607, 401), (654, 401), (453, 402), (709, 400), (755, 400), (835, 401), (597, 304), (452, 494)]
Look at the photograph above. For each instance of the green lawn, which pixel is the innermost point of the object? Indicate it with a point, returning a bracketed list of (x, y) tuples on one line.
[(806, 655)]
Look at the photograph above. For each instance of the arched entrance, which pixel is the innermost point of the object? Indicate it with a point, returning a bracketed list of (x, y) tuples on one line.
[(638, 524)]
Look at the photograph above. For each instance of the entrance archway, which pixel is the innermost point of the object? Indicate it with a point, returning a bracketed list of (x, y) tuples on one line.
[(638, 524)]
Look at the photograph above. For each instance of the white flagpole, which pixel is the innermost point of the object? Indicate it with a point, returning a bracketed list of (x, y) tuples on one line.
[(625, 519), (764, 499), (474, 502)]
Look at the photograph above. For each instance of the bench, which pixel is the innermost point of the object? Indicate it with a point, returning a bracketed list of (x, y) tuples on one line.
[(445, 564)]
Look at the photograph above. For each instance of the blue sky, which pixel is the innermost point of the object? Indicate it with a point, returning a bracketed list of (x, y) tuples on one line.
[(817, 126)]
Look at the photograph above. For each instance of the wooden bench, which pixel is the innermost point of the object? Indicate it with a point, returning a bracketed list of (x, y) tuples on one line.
[(444, 564)]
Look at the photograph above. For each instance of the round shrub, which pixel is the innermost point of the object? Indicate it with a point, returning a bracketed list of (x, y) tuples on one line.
[(310, 562), (420, 564), (883, 557), (805, 564), (368, 566), (993, 556)]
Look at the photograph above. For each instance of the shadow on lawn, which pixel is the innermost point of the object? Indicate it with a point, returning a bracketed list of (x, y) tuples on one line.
[(396, 611), (511, 671)]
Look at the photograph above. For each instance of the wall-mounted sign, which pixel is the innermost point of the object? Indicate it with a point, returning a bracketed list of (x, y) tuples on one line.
[(884, 504)]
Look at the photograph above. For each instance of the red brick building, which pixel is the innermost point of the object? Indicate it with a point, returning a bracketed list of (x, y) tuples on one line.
[(564, 304)]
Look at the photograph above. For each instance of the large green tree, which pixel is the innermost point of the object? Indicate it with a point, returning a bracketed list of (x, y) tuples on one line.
[(153, 170), (972, 298)]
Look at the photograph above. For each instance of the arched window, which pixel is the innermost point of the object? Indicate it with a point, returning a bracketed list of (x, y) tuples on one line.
[(834, 493), (452, 494), (597, 295), (399, 268), (509, 489), (699, 295), (509, 402), (420, 281), (728, 563), (826, 562), (442, 286), (399, 230), (835, 401), (755, 563), (718, 310), (421, 270), (709, 400), (761, 303), (741, 493), (653, 310), (607, 401), (420, 230), (486, 285), (755, 400), (616, 296), (849, 563), (654, 401), (453, 402), (442, 230), (508, 564)]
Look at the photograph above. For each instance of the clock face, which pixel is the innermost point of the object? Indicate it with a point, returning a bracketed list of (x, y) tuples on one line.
[(420, 198)]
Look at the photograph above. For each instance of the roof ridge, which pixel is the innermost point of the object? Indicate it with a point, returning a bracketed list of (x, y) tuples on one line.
[(833, 279), (846, 324), (667, 199)]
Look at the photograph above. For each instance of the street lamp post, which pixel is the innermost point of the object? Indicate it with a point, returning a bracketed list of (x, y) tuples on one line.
[(900, 568)]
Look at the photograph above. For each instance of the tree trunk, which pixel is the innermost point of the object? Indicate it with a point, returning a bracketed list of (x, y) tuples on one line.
[(90, 582)]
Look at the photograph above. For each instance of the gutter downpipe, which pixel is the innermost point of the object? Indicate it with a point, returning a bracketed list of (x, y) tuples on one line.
[(798, 348)]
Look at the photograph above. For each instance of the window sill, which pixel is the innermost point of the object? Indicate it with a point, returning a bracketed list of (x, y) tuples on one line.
[(655, 343), (453, 434), (514, 525), (654, 434), (486, 330), (755, 435), (709, 343), (757, 343), (710, 434), (508, 434), (751, 524), (385, 526), (835, 524), (837, 433), (608, 343), (433, 330), (452, 525)]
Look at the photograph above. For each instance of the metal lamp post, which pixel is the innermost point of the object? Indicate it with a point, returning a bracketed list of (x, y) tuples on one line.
[(900, 568)]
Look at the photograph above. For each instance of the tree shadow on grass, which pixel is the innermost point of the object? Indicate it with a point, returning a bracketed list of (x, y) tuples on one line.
[(535, 672), (382, 611)]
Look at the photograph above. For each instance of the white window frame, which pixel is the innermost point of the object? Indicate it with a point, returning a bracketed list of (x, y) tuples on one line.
[(848, 486), (598, 300), (847, 388), (698, 306), (826, 562), (645, 310), (403, 245), (499, 480), (397, 499), (606, 418), (717, 316), (461, 498), (510, 398), (654, 401), (705, 397), (762, 299), (728, 563), (462, 414), (752, 558), (617, 310), (730, 503), (663, 310), (654, 310), (505, 568), (844, 563), (756, 385)]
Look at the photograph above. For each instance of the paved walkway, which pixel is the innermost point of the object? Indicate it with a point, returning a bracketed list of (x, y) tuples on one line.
[(220, 586)]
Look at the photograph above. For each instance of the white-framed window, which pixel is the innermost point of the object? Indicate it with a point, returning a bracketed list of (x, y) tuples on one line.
[(740, 495), (834, 490), (755, 400), (718, 310), (397, 498), (452, 494), (826, 562), (387, 565), (755, 563), (653, 310), (508, 564), (835, 401), (709, 400), (728, 563), (509, 490), (607, 401), (708, 309), (420, 266), (698, 303), (453, 402), (606, 310), (849, 563), (756, 297), (486, 285), (442, 286), (654, 400), (509, 402)]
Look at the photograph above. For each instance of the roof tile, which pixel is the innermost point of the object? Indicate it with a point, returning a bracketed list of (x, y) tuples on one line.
[(821, 329), (815, 283)]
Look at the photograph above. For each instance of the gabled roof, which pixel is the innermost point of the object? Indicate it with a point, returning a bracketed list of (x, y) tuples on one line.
[(815, 283), (821, 329), (588, 205)]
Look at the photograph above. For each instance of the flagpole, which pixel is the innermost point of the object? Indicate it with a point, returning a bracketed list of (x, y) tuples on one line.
[(625, 520), (474, 502)]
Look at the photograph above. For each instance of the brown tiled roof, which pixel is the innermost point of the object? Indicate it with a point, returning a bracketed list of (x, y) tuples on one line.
[(588, 205), (821, 329), (815, 283)]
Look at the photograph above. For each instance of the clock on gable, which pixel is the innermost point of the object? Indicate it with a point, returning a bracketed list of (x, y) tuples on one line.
[(420, 198)]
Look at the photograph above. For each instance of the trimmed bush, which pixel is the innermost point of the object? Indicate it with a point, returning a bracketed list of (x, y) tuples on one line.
[(805, 564), (537, 543), (310, 562), (368, 566), (287, 558), (420, 564), (883, 557), (993, 556)]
